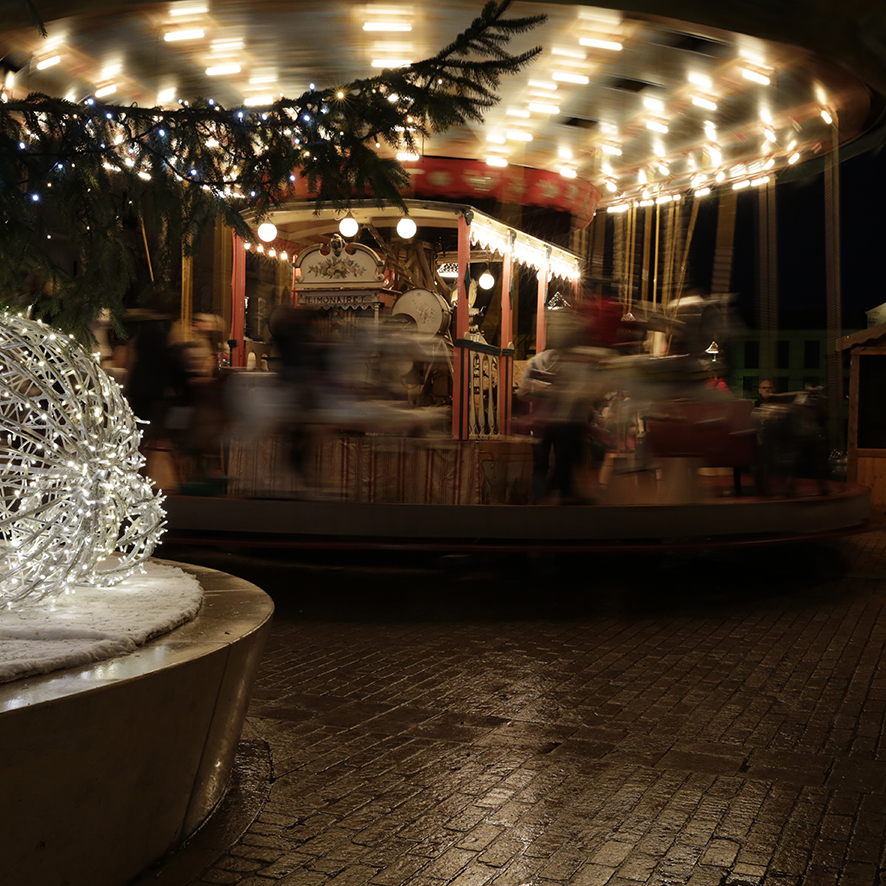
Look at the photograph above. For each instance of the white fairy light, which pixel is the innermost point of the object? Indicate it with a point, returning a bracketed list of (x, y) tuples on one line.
[(70, 488)]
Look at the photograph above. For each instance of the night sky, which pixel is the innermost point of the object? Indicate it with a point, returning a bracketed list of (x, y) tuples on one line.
[(801, 249)]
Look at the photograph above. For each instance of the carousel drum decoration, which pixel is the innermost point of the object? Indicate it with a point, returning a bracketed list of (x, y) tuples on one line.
[(74, 508), (427, 309)]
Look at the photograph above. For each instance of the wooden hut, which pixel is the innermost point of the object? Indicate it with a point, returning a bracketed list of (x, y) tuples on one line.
[(866, 435)]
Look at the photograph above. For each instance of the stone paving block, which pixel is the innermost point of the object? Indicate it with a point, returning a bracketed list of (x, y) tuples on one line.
[(479, 837), (720, 853), (638, 867), (612, 854), (593, 875), (752, 872), (256, 853), (304, 878), (449, 863), (703, 876), (400, 872), (474, 875), (283, 866)]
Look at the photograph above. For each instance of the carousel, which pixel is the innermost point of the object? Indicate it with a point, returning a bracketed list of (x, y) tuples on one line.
[(422, 436)]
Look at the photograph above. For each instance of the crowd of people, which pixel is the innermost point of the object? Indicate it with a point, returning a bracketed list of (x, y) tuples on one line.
[(595, 393)]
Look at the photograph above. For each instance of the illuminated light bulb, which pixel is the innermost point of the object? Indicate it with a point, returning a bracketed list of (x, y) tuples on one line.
[(568, 77), (518, 112), (611, 186), (704, 103), (106, 90), (600, 44), (542, 108), (183, 34), (519, 136), (742, 184), (568, 172), (225, 47), (267, 231), (760, 181), (794, 158), (826, 117), (221, 70), (253, 100), (702, 192), (699, 79), (770, 135), (348, 226), (486, 281), (545, 84), (391, 27), (406, 228), (655, 126), (48, 62), (755, 76), (614, 150), (619, 207), (496, 161), (188, 9), (407, 156), (721, 176)]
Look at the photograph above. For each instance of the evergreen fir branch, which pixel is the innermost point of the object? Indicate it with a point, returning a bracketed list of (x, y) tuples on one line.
[(91, 174)]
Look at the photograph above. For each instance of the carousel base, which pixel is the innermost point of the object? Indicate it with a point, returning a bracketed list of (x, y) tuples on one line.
[(107, 766), (716, 520)]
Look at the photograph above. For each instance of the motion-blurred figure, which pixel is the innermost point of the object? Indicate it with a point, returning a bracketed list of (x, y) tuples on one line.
[(792, 441)]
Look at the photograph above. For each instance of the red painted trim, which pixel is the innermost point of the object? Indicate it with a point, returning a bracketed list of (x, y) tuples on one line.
[(465, 181)]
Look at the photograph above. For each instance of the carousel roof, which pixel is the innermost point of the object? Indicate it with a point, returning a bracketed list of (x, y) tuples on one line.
[(636, 103)]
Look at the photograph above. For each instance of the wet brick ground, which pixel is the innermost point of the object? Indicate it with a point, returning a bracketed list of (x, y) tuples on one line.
[(697, 719)]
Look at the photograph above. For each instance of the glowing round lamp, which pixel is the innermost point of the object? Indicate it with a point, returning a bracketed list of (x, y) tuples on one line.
[(267, 232), (406, 228), (348, 226), (486, 281)]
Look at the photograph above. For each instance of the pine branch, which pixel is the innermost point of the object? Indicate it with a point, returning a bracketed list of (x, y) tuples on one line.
[(90, 174)]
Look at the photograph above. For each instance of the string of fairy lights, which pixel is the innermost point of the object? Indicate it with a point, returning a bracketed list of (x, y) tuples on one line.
[(74, 507)]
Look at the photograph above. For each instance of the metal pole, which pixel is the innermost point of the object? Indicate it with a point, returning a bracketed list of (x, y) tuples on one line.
[(834, 358)]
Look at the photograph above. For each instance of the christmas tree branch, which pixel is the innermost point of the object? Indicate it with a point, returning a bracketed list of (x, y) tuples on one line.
[(90, 174)]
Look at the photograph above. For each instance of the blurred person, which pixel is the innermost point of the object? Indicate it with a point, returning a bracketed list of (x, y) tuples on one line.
[(303, 362), (557, 421), (765, 392)]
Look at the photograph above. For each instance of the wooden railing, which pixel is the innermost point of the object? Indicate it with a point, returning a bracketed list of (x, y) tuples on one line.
[(484, 403)]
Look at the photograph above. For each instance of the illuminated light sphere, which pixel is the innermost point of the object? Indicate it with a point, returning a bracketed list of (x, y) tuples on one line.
[(406, 228), (348, 226), (267, 232), (74, 508), (486, 281)]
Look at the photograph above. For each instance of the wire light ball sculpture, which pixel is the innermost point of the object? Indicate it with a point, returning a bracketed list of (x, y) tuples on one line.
[(74, 508)]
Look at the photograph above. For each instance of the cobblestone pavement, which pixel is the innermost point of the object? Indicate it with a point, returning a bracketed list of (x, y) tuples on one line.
[(690, 719)]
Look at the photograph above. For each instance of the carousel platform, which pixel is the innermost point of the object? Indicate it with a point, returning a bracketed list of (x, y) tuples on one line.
[(716, 520), (108, 765)]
